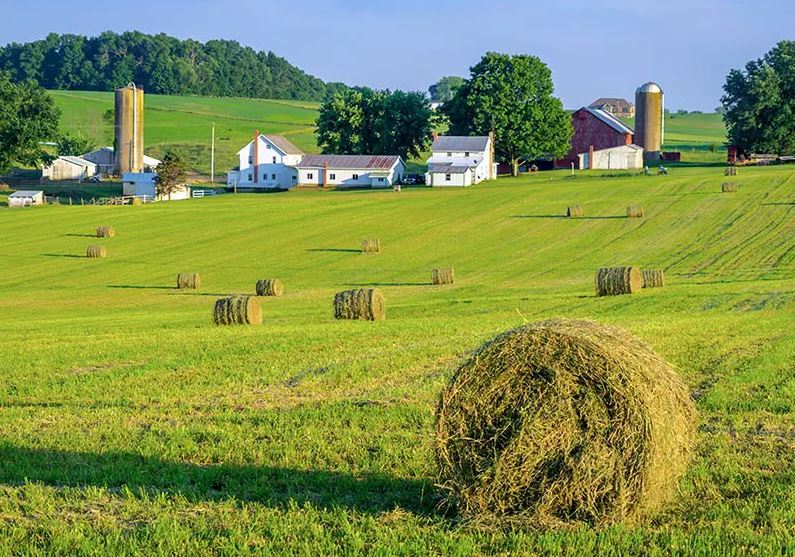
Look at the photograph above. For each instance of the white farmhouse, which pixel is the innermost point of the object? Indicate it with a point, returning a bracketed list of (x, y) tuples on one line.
[(273, 162), (69, 168), (461, 161)]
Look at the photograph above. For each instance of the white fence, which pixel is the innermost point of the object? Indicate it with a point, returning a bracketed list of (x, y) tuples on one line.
[(204, 193)]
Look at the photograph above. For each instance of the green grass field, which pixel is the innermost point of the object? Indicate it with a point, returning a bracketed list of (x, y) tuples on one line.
[(131, 424)]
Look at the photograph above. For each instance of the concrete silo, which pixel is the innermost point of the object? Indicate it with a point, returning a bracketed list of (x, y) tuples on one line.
[(129, 143), (650, 119)]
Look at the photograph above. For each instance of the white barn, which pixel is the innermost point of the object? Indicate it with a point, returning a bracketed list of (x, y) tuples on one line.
[(69, 168), (25, 198), (623, 157), (144, 184), (273, 162), (105, 160), (461, 161)]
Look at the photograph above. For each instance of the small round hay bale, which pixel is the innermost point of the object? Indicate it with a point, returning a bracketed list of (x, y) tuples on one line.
[(106, 232), (443, 276), (269, 287), (96, 252), (364, 303), (728, 187), (189, 281), (614, 281), (563, 422), (574, 211), (237, 310), (635, 212), (653, 278), (372, 245), (137, 202)]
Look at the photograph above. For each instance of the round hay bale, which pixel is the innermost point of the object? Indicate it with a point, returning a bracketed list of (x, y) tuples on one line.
[(96, 252), (106, 232), (563, 422), (237, 310), (189, 281), (653, 278), (372, 245), (728, 187), (574, 211), (270, 287), (635, 212), (443, 276), (137, 201), (364, 303), (614, 281)]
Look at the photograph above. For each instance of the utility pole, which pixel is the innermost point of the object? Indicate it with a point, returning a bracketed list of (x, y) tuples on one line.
[(212, 158)]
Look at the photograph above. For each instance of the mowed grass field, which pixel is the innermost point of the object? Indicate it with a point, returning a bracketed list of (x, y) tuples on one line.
[(131, 424)]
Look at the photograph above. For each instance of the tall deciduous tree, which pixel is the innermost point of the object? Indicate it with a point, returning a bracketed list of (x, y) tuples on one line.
[(514, 97), (28, 117), (74, 145), (759, 103), (444, 90), (171, 174)]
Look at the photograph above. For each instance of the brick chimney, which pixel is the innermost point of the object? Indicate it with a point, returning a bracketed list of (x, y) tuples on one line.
[(325, 174), (256, 156), (629, 139)]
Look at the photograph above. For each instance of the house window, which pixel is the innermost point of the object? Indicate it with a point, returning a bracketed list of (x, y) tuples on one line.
[(250, 159), (381, 180), (274, 160), (310, 176), (448, 177), (295, 177), (250, 177), (273, 176), (466, 154), (332, 176), (449, 154), (355, 176)]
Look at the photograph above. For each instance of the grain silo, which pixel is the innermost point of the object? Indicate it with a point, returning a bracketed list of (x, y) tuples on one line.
[(129, 143), (649, 119)]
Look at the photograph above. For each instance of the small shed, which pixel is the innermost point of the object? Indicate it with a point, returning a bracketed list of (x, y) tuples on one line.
[(624, 157), (69, 168), (144, 184), (26, 198)]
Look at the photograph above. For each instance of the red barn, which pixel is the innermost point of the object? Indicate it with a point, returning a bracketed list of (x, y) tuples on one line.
[(597, 129)]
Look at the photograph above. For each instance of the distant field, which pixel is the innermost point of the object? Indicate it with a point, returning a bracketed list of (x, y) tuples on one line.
[(133, 426)]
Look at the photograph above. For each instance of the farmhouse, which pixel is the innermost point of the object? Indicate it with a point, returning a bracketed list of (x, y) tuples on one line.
[(105, 160), (595, 130), (461, 161), (273, 162), (69, 168), (621, 108), (26, 198)]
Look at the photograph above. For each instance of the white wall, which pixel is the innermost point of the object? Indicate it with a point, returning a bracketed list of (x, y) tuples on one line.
[(285, 177), (345, 177), (38, 199), (617, 158), (439, 179)]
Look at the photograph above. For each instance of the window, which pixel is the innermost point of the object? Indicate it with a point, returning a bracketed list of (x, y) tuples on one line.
[(448, 177), (273, 176), (250, 177), (274, 160), (250, 159), (466, 154), (355, 176), (332, 176), (381, 180), (295, 177), (449, 154), (310, 176)]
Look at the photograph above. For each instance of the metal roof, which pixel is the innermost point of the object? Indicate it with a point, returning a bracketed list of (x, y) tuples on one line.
[(610, 120), (284, 144), (353, 162), (26, 193), (447, 168), (612, 101), (461, 143), (649, 87), (79, 161)]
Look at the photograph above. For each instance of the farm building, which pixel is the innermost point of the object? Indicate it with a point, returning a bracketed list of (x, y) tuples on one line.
[(143, 184), (26, 198), (69, 168), (273, 162), (105, 160), (620, 108), (461, 161), (596, 130), (624, 157)]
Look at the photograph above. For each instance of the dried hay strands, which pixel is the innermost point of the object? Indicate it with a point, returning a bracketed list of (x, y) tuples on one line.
[(635, 212), (730, 171), (237, 310), (443, 276), (653, 278), (137, 202), (563, 423), (371, 245), (728, 187), (106, 232), (364, 303), (269, 287), (614, 281), (574, 211), (96, 252), (189, 281)]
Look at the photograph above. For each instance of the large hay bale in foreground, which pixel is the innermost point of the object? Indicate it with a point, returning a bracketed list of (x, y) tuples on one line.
[(574, 211), (653, 278), (635, 212), (363, 303), (443, 276), (189, 281), (563, 422), (372, 245), (270, 287), (106, 232), (237, 310), (728, 187), (614, 281), (96, 252)]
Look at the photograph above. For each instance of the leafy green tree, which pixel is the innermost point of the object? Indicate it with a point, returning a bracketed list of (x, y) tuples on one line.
[(171, 173), (28, 116), (444, 89), (514, 97), (74, 145), (759, 103), (339, 124)]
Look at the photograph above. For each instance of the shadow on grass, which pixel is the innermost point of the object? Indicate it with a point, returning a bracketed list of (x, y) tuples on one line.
[(272, 486), (336, 250), (366, 284), (785, 203), (69, 255), (81, 235), (137, 287), (564, 217)]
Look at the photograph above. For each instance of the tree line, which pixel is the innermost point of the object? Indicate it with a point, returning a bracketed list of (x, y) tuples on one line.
[(160, 64)]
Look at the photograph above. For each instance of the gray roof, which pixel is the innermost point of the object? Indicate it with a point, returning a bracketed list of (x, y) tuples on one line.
[(614, 102), (79, 161), (284, 144), (436, 168), (461, 143), (610, 120), (26, 193), (352, 162)]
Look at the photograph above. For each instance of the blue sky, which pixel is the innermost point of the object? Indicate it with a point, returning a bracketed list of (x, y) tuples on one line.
[(595, 48)]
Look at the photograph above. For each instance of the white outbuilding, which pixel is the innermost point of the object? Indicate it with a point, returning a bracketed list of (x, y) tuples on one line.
[(69, 168), (26, 198), (144, 184), (624, 157), (461, 161)]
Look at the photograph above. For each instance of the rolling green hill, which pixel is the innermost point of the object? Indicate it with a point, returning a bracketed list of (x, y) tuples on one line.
[(131, 424)]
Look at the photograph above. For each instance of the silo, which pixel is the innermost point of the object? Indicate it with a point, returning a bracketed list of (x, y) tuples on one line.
[(649, 119), (129, 144)]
